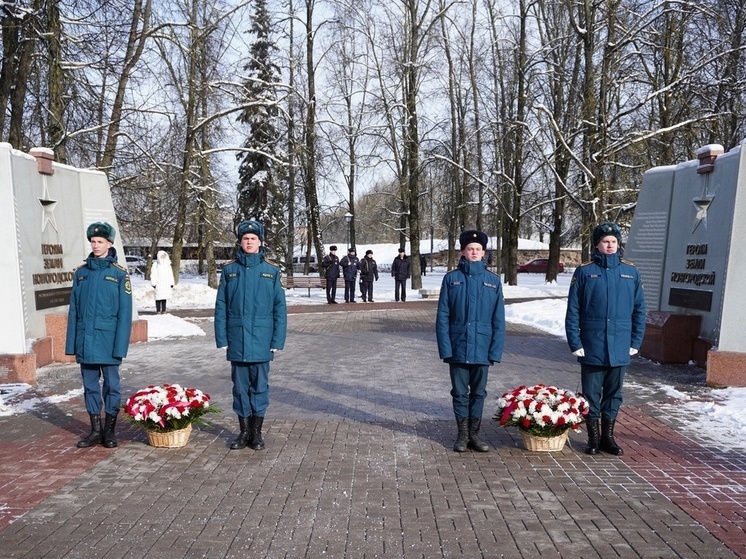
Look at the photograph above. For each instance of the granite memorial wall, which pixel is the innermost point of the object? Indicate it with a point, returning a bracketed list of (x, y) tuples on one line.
[(685, 239), (45, 209)]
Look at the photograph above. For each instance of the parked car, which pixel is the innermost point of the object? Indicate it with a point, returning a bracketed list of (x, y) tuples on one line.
[(538, 266), (135, 264), (299, 264)]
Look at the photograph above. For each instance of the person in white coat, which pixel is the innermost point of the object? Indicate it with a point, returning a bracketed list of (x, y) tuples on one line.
[(162, 278)]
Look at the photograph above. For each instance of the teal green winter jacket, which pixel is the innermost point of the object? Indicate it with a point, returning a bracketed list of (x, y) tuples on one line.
[(470, 323), (605, 310), (99, 322), (250, 309)]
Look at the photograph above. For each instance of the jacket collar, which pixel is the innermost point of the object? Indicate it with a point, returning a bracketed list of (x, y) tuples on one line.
[(608, 260)]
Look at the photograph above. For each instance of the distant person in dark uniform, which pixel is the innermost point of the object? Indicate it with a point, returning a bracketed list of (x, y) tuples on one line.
[(349, 270), (368, 274), (99, 324), (423, 264), (251, 323), (330, 267), (470, 329), (605, 323), (400, 272)]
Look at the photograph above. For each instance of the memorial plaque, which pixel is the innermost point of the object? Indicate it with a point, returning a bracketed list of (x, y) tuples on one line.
[(681, 234), (44, 212), (50, 298), (648, 237), (690, 299), (699, 238)]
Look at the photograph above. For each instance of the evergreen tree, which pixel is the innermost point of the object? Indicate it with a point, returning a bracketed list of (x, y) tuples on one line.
[(260, 195)]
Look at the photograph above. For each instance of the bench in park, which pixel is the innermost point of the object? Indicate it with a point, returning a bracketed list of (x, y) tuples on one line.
[(310, 282), (430, 293)]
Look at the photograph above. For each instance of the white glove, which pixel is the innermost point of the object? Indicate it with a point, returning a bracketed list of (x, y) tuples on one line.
[(579, 352), (224, 347), (273, 350), (633, 351)]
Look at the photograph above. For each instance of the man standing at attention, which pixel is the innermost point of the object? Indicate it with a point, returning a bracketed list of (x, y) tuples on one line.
[(470, 328), (251, 322), (330, 267), (368, 274), (605, 323), (400, 273), (349, 270), (99, 324)]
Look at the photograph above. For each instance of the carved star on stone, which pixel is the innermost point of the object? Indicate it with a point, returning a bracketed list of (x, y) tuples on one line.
[(702, 205), (47, 209)]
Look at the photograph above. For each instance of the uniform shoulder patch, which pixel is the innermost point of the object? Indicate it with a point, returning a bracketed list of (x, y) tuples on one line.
[(272, 263), (628, 262), (118, 265), (588, 263)]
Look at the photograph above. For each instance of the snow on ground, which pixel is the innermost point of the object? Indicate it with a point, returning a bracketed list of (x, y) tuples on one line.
[(723, 411), (12, 403)]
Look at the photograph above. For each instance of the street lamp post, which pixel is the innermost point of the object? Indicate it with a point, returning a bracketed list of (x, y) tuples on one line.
[(348, 219)]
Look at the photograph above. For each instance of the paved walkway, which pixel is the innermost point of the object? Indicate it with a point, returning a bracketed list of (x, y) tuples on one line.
[(359, 463)]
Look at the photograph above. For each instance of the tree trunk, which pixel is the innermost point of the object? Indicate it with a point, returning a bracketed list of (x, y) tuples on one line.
[(134, 50), (20, 81), (56, 84), (312, 199)]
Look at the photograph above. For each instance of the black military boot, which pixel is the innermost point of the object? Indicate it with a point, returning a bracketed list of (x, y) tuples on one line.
[(475, 441), (243, 436), (593, 436), (257, 442), (94, 437), (463, 435), (109, 440), (607, 437)]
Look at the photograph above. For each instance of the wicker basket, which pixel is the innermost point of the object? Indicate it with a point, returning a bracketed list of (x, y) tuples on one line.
[(543, 444), (172, 439)]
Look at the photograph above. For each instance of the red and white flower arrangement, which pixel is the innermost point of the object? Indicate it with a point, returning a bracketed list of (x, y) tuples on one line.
[(543, 411), (167, 408)]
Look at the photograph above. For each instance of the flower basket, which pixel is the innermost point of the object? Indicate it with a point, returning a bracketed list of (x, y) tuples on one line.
[(543, 444), (543, 415), (171, 439), (167, 413)]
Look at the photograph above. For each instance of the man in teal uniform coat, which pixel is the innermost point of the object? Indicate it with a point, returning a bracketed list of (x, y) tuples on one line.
[(470, 328), (251, 322), (605, 323), (99, 324)]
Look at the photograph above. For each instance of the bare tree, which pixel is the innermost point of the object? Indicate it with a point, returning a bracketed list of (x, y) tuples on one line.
[(347, 129), (558, 105), (138, 33), (310, 138), (292, 141), (21, 31)]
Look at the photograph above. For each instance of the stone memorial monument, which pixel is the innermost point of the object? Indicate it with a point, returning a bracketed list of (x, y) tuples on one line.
[(45, 209), (686, 240)]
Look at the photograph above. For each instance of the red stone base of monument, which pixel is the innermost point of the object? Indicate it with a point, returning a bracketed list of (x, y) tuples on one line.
[(726, 368), (139, 331), (19, 367), (22, 367)]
